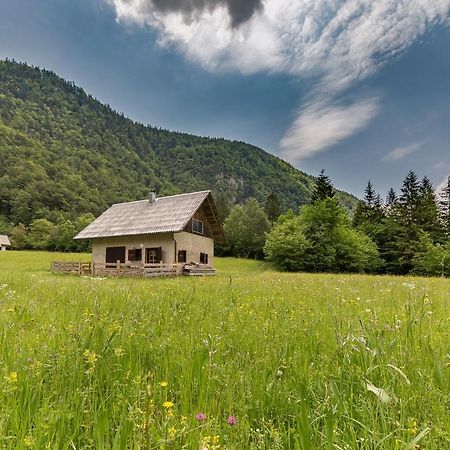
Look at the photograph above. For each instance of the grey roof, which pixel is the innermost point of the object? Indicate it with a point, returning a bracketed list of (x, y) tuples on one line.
[(165, 215), (4, 240)]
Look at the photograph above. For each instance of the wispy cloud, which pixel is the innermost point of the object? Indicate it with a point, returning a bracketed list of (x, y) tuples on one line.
[(401, 152), (321, 125), (338, 42)]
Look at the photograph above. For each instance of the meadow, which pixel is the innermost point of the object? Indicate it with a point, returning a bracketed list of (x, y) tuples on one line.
[(248, 359)]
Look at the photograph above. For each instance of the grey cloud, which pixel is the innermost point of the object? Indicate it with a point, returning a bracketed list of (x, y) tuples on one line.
[(240, 10)]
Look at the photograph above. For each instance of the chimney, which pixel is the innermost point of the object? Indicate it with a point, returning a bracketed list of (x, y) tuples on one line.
[(152, 198)]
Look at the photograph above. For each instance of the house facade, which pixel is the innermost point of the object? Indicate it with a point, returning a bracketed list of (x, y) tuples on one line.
[(175, 229), (4, 242)]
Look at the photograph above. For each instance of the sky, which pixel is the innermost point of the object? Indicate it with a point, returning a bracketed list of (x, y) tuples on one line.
[(360, 88)]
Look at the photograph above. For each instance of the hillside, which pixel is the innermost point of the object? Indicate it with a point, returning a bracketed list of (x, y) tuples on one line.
[(63, 152)]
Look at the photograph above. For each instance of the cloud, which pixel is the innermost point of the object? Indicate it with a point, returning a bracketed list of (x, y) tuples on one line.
[(238, 10), (335, 42), (401, 152), (320, 125)]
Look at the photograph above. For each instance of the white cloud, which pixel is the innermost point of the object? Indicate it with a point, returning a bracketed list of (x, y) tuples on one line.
[(401, 152), (336, 41), (320, 125)]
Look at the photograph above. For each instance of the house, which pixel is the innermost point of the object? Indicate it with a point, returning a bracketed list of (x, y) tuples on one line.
[(175, 229), (4, 242)]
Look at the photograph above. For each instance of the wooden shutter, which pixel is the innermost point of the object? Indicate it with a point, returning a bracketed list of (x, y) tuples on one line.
[(158, 254)]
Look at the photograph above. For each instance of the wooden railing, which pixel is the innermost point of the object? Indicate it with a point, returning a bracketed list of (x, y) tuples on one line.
[(78, 268), (128, 269), (118, 269), (147, 270)]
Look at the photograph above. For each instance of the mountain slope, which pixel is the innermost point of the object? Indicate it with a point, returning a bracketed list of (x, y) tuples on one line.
[(63, 152)]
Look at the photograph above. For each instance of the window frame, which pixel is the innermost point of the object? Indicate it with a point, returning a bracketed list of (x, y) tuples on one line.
[(204, 258), (196, 225)]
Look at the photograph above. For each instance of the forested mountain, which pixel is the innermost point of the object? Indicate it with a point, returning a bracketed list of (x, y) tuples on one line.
[(63, 153)]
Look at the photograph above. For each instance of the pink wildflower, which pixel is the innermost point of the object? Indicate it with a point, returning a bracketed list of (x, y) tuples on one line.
[(200, 417), (232, 420)]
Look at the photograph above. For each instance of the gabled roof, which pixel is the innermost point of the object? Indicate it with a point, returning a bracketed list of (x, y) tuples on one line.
[(164, 215), (4, 240)]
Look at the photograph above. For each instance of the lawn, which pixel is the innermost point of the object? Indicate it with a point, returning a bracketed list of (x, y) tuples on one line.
[(248, 359)]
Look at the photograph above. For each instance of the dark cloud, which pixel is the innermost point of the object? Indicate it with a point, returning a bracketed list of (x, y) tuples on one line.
[(240, 10)]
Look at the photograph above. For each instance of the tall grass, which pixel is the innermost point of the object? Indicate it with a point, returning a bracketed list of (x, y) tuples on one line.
[(301, 361)]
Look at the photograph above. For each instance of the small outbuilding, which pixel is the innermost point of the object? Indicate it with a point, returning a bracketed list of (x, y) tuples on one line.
[(171, 230), (4, 242)]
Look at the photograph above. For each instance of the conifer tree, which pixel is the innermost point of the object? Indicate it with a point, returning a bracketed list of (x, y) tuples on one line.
[(427, 211), (409, 198), (324, 189), (391, 203)]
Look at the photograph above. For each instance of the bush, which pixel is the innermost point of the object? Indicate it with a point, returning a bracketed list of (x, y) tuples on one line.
[(320, 239)]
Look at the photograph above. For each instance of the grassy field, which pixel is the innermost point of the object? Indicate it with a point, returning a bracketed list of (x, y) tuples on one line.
[(248, 359)]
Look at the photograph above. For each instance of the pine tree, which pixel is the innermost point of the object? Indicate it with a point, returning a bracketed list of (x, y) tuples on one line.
[(427, 211), (409, 199), (391, 199), (370, 195), (272, 207), (391, 204), (324, 189), (370, 209)]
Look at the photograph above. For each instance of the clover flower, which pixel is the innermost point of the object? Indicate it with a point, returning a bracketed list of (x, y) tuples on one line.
[(232, 420), (201, 417)]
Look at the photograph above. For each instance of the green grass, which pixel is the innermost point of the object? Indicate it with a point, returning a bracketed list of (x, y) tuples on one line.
[(303, 361)]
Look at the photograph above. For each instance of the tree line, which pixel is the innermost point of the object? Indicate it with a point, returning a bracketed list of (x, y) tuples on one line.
[(406, 233), (43, 234)]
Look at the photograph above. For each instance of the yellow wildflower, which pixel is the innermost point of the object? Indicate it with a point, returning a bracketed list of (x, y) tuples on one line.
[(168, 404), (28, 441), (172, 432), (164, 384), (11, 378), (118, 351)]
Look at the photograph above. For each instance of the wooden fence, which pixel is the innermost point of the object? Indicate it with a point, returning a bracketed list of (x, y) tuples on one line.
[(118, 269), (77, 268)]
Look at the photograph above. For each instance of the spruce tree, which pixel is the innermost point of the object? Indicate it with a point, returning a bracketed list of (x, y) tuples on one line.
[(391, 203), (409, 199), (324, 189), (427, 211)]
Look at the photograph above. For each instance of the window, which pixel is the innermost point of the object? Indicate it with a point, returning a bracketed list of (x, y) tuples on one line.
[(181, 256), (114, 254), (135, 254), (153, 255), (197, 226), (203, 258)]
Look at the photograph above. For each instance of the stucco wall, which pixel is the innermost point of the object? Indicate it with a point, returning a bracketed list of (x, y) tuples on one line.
[(165, 241), (194, 244)]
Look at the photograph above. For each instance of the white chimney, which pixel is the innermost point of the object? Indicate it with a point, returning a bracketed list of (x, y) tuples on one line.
[(152, 197)]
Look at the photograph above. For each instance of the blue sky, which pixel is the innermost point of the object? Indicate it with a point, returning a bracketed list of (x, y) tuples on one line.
[(360, 90)]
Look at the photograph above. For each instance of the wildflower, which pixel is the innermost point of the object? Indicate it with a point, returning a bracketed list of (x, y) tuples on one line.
[(90, 358), (28, 441), (118, 351), (164, 384), (232, 420), (168, 404), (11, 378), (172, 432), (201, 417)]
